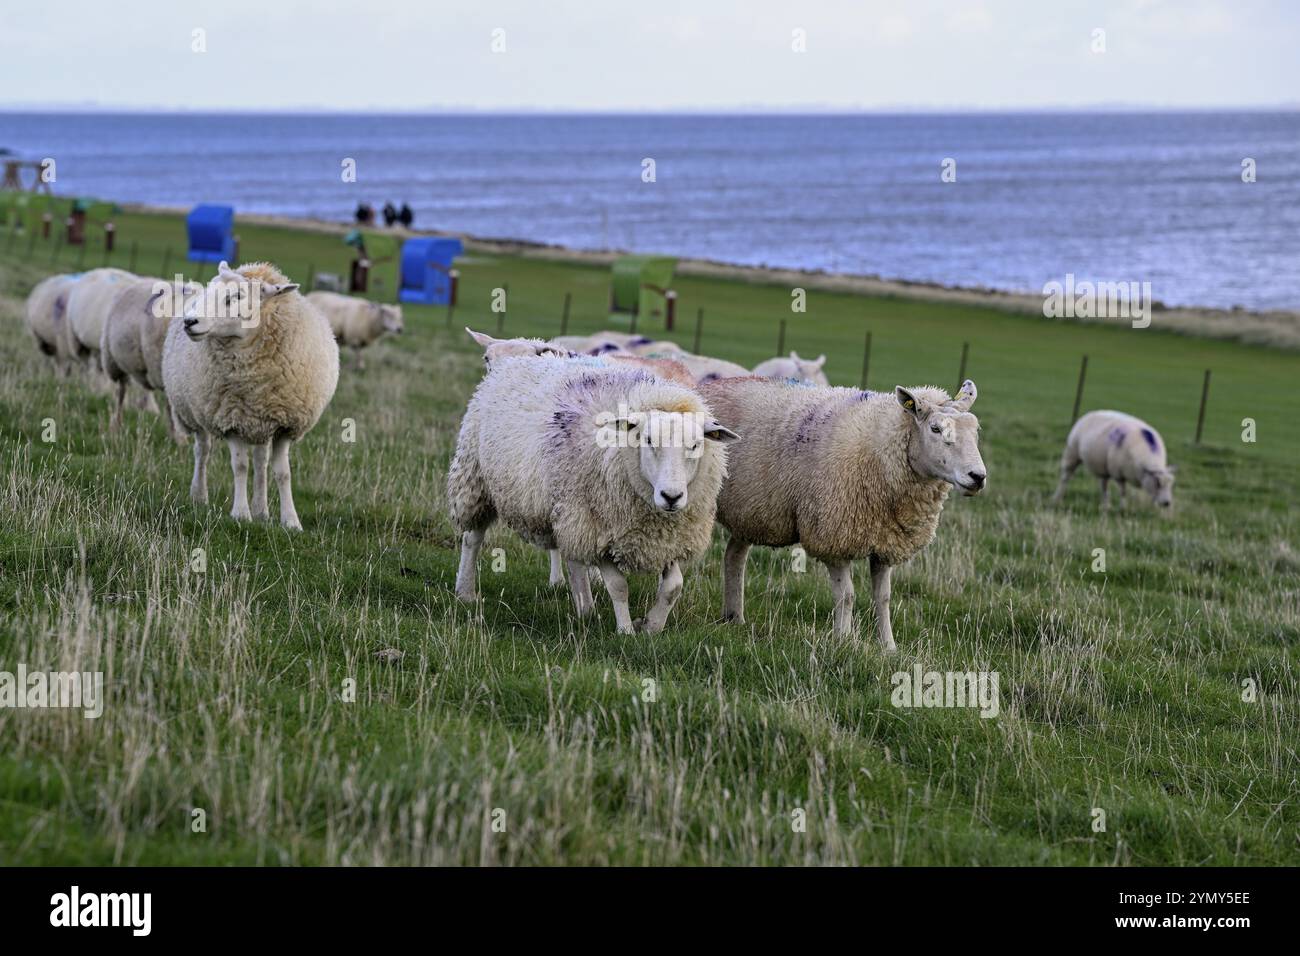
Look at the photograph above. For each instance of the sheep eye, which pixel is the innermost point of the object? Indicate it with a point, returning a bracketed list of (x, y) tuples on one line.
[(936, 429)]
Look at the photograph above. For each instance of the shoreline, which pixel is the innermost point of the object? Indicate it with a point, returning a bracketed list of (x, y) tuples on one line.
[(1272, 328)]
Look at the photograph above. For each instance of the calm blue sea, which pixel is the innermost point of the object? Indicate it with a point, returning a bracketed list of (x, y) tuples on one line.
[(1115, 197)]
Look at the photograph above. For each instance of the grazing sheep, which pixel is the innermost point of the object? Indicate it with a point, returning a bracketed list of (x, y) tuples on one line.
[(805, 371), (89, 301), (254, 363), (134, 332), (1118, 447), (495, 349), (46, 313), (613, 466), (355, 322), (844, 473), (658, 347)]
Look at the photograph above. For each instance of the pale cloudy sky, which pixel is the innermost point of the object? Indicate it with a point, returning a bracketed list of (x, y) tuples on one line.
[(648, 54)]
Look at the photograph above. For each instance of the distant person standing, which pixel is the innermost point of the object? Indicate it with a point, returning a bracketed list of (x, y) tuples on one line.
[(390, 214), (365, 214), (406, 217)]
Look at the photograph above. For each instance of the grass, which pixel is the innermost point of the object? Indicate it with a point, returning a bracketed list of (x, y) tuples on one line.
[(1120, 691)]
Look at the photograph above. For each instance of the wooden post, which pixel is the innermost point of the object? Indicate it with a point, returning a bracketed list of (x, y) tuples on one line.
[(564, 316), (866, 362), (1200, 418), (110, 234), (311, 277), (670, 309), (699, 329), (780, 340), (961, 371), (1078, 393)]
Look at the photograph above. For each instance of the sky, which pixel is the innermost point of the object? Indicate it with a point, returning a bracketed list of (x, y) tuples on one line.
[(629, 55)]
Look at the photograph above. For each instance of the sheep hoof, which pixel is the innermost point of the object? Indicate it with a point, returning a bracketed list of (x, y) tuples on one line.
[(732, 617), (467, 597), (291, 524)]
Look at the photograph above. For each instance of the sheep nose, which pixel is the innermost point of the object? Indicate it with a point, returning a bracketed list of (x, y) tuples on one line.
[(190, 323), (671, 500), (977, 478)]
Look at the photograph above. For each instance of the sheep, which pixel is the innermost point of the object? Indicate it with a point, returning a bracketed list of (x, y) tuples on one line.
[(495, 349), (134, 332), (656, 347), (1118, 447), (611, 465), (805, 371), (357, 322), (599, 343), (703, 368), (844, 473), (47, 306), (254, 362), (89, 301)]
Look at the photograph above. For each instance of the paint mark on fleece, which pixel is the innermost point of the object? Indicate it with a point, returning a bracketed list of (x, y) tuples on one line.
[(1151, 439), (1117, 435)]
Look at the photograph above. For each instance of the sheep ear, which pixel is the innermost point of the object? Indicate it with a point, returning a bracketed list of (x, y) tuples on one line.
[(225, 270), (907, 400), (966, 396), (720, 433), (270, 290), (482, 338), (794, 355), (821, 360)]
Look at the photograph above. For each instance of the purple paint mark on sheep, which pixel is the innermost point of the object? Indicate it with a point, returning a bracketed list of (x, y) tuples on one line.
[(1151, 439), (1116, 436)]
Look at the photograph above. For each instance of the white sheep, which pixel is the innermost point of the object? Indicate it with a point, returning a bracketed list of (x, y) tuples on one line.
[(134, 332), (254, 363), (46, 315), (704, 368), (89, 301), (357, 323), (613, 466), (802, 370), (1118, 447), (844, 473)]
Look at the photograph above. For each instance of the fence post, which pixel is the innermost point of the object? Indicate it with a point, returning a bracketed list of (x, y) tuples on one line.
[(780, 340), (311, 277), (564, 316), (1078, 394), (961, 371), (1200, 418), (866, 361), (699, 329)]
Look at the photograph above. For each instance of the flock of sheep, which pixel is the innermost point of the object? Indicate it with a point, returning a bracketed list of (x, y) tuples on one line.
[(614, 452)]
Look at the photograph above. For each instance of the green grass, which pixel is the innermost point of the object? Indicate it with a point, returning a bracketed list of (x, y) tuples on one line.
[(1119, 691)]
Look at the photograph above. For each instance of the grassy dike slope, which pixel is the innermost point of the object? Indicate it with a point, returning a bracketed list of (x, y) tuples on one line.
[(1120, 692)]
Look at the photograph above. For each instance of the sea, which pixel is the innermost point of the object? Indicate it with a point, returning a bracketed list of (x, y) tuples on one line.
[(1203, 205)]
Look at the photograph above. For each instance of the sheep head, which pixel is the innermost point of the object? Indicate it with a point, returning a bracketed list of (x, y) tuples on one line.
[(661, 450), (234, 303), (944, 443)]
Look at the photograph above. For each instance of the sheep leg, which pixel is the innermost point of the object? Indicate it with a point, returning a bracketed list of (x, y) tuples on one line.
[(261, 455), (842, 591), (199, 484), (361, 359), (1069, 462), (283, 482), (1105, 493), (115, 422), (169, 416), (733, 580), (467, 574), (616, 585), (880, 591), (557, 568), (239, 468), (670, 589), (580, 584)]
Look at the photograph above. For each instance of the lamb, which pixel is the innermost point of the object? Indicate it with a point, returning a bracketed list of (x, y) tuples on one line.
[(89, 302), (613, 466), (134, 332), (845, 473), (805, 371), (253, 362), (47, 306), (357, 323), (1118, 447)]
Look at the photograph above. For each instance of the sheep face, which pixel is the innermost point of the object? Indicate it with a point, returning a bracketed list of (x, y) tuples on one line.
[(390, 319), (945, 443), (171, 299), (494, 348), (230, 306), (1159, 484), (810, 370), (661, 452)]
